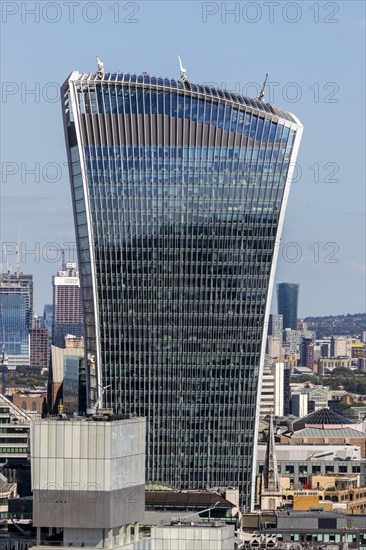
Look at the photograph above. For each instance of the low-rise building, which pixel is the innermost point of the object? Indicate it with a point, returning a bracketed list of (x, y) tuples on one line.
[(290, 528), (330, 492), (189, 536), (325, 427), (299, 462), (14, 431)]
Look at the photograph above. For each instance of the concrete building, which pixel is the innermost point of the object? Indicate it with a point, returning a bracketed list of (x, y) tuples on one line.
[(274, 347), (272, 391), (299, 462), (330, 492), (291, 361), (38, 339), (301, 326), (317, 528), (341, 346), (275, 326), (214, 536), (299, 404), (88, 480), (316, 397), (14, 431)]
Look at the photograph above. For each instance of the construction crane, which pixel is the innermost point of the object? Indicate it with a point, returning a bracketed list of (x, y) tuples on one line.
[(98, 410), (182, 519)]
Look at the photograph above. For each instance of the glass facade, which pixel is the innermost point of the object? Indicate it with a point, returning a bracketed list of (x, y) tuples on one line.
[(287, 300), (179, 192), (14, 328), (73, 385)]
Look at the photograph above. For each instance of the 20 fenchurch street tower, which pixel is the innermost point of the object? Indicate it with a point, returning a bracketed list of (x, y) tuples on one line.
[(179, 193)]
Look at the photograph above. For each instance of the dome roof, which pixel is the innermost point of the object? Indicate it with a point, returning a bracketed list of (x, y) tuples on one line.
[(323, 417)]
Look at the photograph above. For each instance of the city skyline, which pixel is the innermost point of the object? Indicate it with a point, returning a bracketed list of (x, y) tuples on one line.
[(323, 232)]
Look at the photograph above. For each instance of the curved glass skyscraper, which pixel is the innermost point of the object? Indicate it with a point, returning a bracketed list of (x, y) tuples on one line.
[(287, 301), (179, 194)]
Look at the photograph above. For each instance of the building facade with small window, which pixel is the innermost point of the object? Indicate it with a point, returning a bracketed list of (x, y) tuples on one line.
[(14, 431)]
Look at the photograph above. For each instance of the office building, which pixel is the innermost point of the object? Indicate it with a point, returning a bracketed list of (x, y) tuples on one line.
[(66, 380), (47, 323), (300, 462), (300, 529), (16, 316), (341, 346), (275, 326), (307, 353), (14, 331), (287, 302), (179, 195), (274, 347), (14, 432), (67, 309), (272, 391), (19, 284), (38, 338)]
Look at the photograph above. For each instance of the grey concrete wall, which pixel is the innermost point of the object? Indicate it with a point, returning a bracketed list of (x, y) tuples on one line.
[(89, 509)]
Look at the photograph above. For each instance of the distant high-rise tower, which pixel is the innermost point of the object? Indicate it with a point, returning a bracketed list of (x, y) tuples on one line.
[(67, 310), (307, 353), (179, 193), (39, 347), (16, 312), (287, 301)]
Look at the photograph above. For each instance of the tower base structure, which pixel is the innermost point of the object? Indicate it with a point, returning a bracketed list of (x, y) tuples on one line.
[(88, 482)]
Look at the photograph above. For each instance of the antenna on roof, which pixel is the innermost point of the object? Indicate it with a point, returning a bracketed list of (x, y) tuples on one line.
[(18, 255), (261, 92), (183, 72), (101, 70)]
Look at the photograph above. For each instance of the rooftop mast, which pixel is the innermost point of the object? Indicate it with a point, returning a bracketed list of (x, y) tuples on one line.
[(261, 92), (182, 70)]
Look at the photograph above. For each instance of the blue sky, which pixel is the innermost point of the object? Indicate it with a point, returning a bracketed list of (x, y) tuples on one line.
[(315, 55)]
